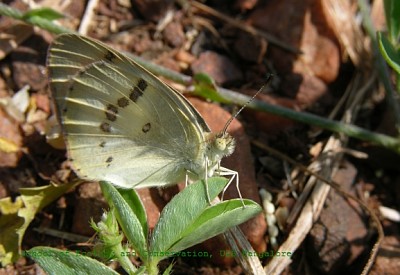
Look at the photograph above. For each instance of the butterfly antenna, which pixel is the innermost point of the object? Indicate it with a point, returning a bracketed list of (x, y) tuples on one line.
[(269, 77)]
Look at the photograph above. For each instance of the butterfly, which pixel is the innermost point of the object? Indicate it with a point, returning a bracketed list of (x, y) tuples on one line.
[(124, 125)]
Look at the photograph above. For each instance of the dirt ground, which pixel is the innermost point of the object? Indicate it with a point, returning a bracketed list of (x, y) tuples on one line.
[(237, 43)]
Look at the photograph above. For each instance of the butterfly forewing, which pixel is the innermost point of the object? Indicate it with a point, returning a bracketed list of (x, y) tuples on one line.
[(121, 123)]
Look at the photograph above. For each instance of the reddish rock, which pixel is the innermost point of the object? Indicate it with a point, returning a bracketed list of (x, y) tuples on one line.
[(386, 261), (340, 235), (42, 102), (266, 122), (304, 26), (219, 67), (309, 91), (153, 10), (174, 34), (184, 57), (27, 63), (153, 204), (245, 5)]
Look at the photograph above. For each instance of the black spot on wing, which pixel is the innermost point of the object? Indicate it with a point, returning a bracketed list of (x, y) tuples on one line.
[(137, 91), (110, 56), (135, 94), (105, 127), (142, 84), (111, 112), (146, 127), (108, 161), (122, 102), (82, 71)]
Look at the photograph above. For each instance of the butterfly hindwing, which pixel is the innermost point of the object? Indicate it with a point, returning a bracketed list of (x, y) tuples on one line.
[(121, 123)]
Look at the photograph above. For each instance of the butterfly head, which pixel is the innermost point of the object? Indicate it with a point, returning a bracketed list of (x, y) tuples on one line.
[(220, 145), (225, 143)]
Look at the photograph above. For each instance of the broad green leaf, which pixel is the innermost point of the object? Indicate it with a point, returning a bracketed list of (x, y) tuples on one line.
[(127, 219), (182, 212), (388, 52), (56, 261), (133, 200), (189, 219), (217, 219)]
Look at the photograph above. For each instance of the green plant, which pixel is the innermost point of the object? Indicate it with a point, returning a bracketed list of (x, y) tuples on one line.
[(389, 43), (186, 220)]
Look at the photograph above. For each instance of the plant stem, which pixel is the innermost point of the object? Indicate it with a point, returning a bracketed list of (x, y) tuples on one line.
[(152, 267), (34, 20), (311, 119), (124, 260)]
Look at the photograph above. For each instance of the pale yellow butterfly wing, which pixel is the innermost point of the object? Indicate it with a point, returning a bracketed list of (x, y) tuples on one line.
[(120, 122)]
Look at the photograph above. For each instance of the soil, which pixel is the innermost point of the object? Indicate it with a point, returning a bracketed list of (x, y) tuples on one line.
[(313, 70)]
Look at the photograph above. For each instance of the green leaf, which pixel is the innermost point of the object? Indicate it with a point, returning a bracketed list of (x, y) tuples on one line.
[(217, 219), (388, 52), (133, 200), (205, 87), (182, 211), (168, 270), (127, 219), (189, 219), (56, 261), (15, 216), (44, 13), (392, 13)]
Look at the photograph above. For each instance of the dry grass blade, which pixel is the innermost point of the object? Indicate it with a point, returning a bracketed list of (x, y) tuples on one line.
[(309, 204), (309, 213), (88, 17), (341, 15), (14, 36), (312, 208)]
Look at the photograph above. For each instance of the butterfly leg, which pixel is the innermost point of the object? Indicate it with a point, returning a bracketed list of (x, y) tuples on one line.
[(233, 175), (206, 181), (186, 179)]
